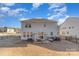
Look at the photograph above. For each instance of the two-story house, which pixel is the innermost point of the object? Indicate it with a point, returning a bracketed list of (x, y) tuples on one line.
[(70, 27), (36, 28)]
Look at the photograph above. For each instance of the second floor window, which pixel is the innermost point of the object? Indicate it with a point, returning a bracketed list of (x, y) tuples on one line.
[(44, 25), (69, 27), (28, 26)]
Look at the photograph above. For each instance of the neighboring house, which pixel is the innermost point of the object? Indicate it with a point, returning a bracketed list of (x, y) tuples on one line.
[(36, 28), (9, 30), (70, 27), (18, 30), (3, 29)]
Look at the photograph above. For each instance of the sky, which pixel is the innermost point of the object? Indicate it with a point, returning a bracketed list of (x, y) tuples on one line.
[(12, 13)]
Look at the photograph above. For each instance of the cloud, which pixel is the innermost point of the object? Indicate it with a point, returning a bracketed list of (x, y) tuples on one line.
[(1, 16), (61, 10), (48, 14), (61, 20), (17, 12), (55, 5), (13, 12), (8, 4), (58, 12), (4, 9), (36, 5)]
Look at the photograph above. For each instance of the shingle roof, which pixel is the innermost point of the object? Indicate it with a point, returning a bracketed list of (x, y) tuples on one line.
[(38, 20), (71, 19)]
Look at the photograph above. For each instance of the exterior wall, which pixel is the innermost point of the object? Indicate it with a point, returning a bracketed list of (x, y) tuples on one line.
[(39, 27), (73, 23), (10, 30)]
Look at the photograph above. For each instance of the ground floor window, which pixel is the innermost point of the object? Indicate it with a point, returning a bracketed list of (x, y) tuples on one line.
[(63, 32), (24, 34), (67, 32), (29, 34), (40, 34), (51, 33)]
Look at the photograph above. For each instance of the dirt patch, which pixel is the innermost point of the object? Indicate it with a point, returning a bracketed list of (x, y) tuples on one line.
[(56, 48)]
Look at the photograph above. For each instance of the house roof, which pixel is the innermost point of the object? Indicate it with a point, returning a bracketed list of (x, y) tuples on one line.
[(38, 20), (71, 19)]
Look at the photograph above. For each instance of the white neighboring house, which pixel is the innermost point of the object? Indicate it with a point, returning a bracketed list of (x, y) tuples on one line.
[(70, 27), (35, 28), (11, 30)]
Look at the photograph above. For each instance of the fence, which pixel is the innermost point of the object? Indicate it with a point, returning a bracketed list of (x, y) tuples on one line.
[(70, 38), (10, 39)]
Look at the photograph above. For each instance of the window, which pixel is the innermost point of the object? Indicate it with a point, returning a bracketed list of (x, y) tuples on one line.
[(51, 33), (72, 27), (30, 34), (67, 32), (69, 27), (27, 35), (63, 32), (44, 25), (24, 34), (29, 25), (26, 26)]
